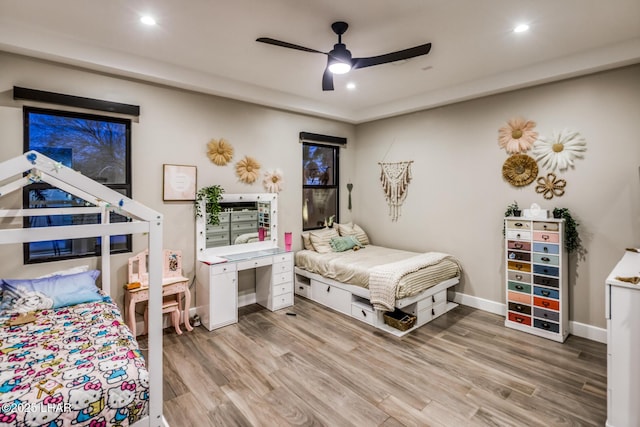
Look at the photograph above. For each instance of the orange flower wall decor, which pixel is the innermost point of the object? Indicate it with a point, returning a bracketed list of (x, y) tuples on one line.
[(248, 170), (220, 151), (517, 136)]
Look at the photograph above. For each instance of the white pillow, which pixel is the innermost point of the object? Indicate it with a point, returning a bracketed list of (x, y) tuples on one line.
[(68, 271), (351, 229), (321, 239)]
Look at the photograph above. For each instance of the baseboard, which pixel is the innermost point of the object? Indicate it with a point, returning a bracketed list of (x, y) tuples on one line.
[(575, 328)]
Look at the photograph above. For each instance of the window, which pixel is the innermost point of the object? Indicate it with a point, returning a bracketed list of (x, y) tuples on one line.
[(320, 184), (97, 146)]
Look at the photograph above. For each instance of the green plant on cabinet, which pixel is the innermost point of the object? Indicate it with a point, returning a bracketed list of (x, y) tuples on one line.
[(571, 236)]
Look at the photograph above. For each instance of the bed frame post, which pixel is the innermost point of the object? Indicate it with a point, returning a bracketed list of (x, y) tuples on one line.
[(155, 323), (105, 248)]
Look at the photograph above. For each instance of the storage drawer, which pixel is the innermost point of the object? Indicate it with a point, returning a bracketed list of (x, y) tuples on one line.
[(363, 312), (549, 304), (520, 308), (428, 314), (521, 246), (282, 301), (287, 257), (244, 216), (519, 297), (279, 278), (546, 226), (519, 318), (218, 238), (282, 267), (546, 314), (519, 256), (518, 235), (253, 263), (543, 236), (519, 266), (222, 268), (304, 290), (546, 281), (546, 248), (519, 277), (546, 259), (545, 292), (544, 269), (282, 288), (517, 224), (222, 227), (519, 287), (546, 325), (332, 297), (433, 299)]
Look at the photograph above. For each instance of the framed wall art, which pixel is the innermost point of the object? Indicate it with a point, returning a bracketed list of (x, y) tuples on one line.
[(179, 182)]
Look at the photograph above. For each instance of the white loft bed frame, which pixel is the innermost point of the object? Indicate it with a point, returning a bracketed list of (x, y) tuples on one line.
[(143, 220)]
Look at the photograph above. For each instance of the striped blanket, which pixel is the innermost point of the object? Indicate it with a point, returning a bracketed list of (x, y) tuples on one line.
[(384, 279)]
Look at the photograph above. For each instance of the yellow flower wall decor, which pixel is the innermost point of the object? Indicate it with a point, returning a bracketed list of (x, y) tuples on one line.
[(273, 181), (520, 170), (248, 170), (550, 186), (517, 136), (560, 150), (219, 151)]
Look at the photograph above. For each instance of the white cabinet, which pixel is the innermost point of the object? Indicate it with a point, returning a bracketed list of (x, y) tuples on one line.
[(623, 344), (536, 277), (217, 285), (217, 295)]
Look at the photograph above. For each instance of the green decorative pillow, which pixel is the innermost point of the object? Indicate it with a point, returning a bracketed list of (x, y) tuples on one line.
[(344, 243)]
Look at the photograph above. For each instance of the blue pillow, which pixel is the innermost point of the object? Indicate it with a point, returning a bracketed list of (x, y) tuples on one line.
[(24, 295), (344, 243)]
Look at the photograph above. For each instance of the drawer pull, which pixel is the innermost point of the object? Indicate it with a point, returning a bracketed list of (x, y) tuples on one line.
[(519, 276), (519, 287), (518, 245), (519, 307), (545, 270), (519, 224), (544, 226), (518, 235), (301, 287), (546, 325), (364, 313), (545, 303), (433, 298), (545, 259), (545, 237), (328, 288), (545, 282), (519, 266), (545, 249), (433, 312), (545, 293), (519, 319)]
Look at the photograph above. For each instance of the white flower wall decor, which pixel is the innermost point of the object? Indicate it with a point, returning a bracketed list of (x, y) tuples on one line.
[(273, 181), (560, 150)]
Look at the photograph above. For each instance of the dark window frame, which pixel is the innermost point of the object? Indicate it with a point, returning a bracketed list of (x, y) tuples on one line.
[(335, 178), (124, 187)]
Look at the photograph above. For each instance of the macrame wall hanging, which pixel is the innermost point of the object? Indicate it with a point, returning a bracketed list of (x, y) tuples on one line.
[(395, 178)]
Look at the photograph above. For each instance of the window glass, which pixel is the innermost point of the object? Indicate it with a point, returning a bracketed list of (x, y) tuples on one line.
[(98, 147), (320, 201)]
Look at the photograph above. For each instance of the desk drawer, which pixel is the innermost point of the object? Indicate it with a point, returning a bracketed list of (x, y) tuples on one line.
[(282, 288), (282, 301), (288, 257), (282, 267), (279, 278), (253, 263), (222, 268)]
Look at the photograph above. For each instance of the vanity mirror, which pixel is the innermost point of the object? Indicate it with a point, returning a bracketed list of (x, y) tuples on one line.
[(247, 222)]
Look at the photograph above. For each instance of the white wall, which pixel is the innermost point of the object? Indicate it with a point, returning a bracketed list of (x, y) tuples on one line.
[(174, 127), (457, 198)]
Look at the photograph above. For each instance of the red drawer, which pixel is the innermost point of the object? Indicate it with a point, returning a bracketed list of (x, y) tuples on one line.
[(521, 246), (549, 304), (520, 318)]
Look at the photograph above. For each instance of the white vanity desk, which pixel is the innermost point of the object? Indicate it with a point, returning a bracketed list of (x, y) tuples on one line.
[(217, 268)]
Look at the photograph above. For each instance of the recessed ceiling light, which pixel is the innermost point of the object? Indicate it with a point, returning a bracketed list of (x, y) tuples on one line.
[(351, 86), (148, 20), (521, 28)]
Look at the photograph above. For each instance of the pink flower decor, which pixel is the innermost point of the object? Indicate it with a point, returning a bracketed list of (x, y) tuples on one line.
[(517, 136)]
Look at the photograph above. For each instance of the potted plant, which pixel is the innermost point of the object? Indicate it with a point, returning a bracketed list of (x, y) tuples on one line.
[(513, 209), (211, 196), (571, 237)]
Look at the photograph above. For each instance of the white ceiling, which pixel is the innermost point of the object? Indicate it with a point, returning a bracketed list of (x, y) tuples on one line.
[(209, 46)]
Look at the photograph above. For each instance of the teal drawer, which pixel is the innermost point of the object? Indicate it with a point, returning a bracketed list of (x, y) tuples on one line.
[(519, 287), (546, 259)]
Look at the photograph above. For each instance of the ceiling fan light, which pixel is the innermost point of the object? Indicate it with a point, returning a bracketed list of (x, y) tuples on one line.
[(338, 67)]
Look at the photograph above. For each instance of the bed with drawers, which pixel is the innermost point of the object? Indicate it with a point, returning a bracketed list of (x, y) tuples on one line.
[(353, 282)]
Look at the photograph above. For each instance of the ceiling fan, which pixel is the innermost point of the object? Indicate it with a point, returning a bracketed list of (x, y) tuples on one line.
[(339, 59)]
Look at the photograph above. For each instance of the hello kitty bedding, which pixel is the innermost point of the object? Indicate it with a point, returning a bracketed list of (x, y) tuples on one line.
[(74, 365)]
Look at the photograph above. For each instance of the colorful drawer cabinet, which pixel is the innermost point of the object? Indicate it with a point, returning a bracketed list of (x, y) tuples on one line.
[(536, 277)]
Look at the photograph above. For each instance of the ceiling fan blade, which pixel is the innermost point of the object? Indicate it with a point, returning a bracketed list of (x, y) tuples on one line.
[(327, 79), (412, 52), (275, 42)]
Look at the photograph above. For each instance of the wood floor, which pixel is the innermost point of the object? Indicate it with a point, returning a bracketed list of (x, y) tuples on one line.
[(321, 368)]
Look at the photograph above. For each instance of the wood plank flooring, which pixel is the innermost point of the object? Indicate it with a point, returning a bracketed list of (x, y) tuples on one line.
[(321, 368)]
